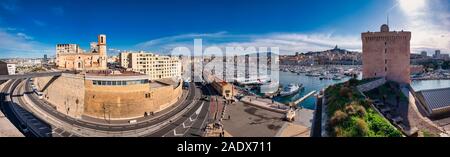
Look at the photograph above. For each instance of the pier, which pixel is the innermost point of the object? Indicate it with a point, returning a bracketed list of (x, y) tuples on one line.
[(294, 103)]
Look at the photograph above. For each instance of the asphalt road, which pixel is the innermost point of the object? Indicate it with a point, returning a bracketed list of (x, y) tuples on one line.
[(22, 119), (189, 123), (192, 121), (48, 109), (37, 126)]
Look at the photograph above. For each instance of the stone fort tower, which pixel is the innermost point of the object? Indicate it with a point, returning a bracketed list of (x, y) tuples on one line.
[(386, 54)]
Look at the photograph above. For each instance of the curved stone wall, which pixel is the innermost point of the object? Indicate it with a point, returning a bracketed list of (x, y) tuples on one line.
[(127, 102), (65, 93), (75, 96)]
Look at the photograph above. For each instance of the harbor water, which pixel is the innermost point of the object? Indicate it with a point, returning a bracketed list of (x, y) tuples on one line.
[(309, 83), (429, 84), (314, 83)]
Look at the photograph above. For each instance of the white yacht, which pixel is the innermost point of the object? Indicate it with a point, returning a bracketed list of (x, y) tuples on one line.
[(291, 89)]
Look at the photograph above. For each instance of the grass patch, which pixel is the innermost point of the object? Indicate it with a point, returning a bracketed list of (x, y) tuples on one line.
[(388, 91), (429, 134), (350, 114)]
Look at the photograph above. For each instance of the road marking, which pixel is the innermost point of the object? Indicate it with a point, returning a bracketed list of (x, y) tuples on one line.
[(199, 109), (175, 133)]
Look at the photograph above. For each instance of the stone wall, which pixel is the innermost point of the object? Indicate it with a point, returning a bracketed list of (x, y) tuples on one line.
[(164, 100), (127, 102), (65, 93), (74, 96), (371, 85)]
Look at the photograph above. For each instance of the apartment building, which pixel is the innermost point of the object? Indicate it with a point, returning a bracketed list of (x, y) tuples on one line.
[(153, 65)]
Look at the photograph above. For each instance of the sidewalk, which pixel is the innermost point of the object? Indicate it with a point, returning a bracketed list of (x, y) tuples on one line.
[(266, 104), (7, 129)]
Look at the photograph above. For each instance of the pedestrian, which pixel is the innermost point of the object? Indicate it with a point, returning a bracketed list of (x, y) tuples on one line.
[(229, 117)]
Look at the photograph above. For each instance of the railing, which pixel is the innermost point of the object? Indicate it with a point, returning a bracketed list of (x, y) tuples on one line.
[(28, 75)]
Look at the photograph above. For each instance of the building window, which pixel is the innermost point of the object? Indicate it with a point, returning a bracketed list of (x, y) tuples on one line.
[(119, 83)]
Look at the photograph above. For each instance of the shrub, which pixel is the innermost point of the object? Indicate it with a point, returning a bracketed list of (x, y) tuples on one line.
[(338, 131), (338, 117), (345, 92), (360, 111), (362, 128), (350, 109)]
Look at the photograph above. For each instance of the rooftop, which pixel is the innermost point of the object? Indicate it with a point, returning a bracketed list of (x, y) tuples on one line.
[(112, 73), (436, 98), (167, 81)]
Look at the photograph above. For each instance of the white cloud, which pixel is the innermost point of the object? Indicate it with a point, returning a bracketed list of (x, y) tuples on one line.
[(17, 45), (11, 29), (429, 22), (177, 38), (24, 36), (288, 43)]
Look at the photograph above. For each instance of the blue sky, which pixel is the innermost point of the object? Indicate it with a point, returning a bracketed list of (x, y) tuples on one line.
[(31, 28)]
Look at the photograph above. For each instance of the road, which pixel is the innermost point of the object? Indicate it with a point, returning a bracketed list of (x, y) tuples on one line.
[(26, 122), (188, 108), (190, 123)]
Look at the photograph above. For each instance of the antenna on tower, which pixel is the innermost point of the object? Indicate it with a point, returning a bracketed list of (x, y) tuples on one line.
[(387, 19)]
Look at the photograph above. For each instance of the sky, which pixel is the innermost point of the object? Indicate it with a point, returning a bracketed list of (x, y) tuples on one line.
[(32, 28)]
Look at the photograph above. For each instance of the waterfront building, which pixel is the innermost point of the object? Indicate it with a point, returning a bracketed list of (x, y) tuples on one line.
[(72, 57), (387, 54), (435, 101), (335, 56), (153, 65), (417, 69), (225, 89), (423, 53), (420, 58), (437, 54)]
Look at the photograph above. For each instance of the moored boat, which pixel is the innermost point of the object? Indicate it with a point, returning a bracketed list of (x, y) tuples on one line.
[(291, 89)]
